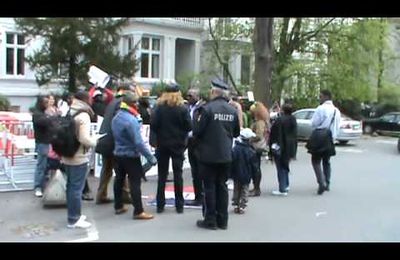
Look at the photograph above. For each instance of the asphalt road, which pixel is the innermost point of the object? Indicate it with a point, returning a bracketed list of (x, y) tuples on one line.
[(363, 205)]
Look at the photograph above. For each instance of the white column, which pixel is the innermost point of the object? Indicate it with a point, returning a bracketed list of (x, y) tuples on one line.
[(169, 58), (238, 68), (136, 38), (197, 46)]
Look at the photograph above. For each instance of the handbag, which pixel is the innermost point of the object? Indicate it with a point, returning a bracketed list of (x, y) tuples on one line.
[(321, 140)]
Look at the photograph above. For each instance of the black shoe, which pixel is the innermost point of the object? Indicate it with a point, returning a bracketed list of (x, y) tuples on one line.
[(203, 224), (321, 190), (160, 210), (224, 227), (327, 187), (179, 210), (87, 196)]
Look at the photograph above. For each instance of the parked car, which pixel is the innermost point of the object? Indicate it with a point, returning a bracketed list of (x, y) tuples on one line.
[(349, 129), (387, 124)]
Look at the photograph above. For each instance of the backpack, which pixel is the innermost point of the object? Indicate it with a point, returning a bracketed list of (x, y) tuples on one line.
[(64, 135)]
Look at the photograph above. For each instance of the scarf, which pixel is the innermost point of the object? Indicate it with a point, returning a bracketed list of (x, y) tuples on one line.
[(130, 109)]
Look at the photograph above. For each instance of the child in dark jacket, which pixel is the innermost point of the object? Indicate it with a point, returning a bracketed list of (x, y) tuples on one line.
[(244, 165)]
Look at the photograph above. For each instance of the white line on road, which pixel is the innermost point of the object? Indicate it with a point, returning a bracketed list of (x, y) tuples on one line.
[(349, 150), (92, 235), (386, 141), (320, 213)]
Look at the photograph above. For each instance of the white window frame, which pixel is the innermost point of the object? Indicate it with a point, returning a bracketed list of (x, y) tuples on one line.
[(15, 46), (150, 53)]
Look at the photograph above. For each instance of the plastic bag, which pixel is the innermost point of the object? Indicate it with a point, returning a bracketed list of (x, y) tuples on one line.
[(55, 192)]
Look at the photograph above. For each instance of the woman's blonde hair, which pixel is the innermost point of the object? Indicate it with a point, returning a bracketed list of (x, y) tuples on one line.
[(259, 111), (172, 99)]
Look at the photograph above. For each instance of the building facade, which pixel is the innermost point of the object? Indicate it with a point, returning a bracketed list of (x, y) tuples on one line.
[(168, 48)]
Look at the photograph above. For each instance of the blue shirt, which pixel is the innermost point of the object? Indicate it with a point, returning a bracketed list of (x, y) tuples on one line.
[(322, 118), (128, 140)]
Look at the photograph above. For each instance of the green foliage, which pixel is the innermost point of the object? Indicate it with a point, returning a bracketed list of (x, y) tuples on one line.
[(158, 89), (4, 103), (353, 59), (390, 95), (71, 45)]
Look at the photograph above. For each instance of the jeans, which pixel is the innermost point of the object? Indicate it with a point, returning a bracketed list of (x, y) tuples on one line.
[(76, 177), (216, 194), (41, 165), (282, 168), (256, 177), (164, 154), (323, 177), (133, 168)]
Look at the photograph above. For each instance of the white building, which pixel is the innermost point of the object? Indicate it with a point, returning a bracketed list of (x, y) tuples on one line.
[(17, 81), (167, 48)]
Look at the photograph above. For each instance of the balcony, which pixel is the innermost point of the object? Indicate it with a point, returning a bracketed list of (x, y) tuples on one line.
[(196, 24)]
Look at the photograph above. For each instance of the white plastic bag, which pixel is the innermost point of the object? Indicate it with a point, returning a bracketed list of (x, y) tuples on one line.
[(55, 192)]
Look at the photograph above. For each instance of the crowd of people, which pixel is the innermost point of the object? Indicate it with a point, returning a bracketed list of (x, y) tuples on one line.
[(225, 139)]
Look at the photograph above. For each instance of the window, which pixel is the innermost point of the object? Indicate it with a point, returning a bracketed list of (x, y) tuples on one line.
[(15, 54), (245, 70), (150, 58), (310, 115), (389, 118), (301, 115)]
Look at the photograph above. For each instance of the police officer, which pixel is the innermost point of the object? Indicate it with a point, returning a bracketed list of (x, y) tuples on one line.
[(216, 126)]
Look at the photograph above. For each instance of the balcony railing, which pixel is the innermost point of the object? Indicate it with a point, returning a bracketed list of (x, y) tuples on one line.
[(188, 23), (191, 22)]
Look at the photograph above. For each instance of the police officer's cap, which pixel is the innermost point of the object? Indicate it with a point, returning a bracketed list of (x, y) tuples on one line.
[(219, 84), (172, 87)]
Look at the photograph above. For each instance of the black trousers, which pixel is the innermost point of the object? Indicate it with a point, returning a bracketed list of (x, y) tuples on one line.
[(323, 177), (194, 166), (133, 168), (163, 156), (216, 196)]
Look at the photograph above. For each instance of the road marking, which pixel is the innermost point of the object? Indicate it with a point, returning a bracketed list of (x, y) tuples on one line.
[(349, 150), (386, 141), (92, 235), (320, 213)]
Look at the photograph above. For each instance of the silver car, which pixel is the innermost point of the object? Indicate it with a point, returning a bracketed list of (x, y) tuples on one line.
[(349, 128)]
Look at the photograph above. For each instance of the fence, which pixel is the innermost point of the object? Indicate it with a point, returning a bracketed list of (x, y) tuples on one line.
[(17, 155)]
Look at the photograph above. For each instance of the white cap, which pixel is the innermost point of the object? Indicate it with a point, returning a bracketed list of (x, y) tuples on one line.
[(247, 133)]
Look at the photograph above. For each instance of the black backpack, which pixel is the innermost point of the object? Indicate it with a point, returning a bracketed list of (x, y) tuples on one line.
[(63, 138)]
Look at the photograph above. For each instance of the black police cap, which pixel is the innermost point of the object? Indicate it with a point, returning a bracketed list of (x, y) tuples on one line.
[(172, 87), (219, 84)]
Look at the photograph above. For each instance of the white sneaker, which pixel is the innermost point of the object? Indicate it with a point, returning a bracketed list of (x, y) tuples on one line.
[(38, 193), (278, 193), (81, 223)]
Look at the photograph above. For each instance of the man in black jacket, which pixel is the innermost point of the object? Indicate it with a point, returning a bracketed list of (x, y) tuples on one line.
[(194, 103), (105, 147), (216, 126)]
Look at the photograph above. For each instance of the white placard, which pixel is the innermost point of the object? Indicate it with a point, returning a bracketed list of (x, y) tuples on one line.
[(250, 95), (98, 77)]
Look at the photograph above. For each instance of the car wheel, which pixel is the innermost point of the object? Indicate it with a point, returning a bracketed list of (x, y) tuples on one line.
[(368, 130), (343, 142)]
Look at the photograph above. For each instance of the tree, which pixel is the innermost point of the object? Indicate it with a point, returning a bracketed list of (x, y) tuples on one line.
[(228, 37), (295, 36), (71, 45), (263, 49), (4, 103)]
